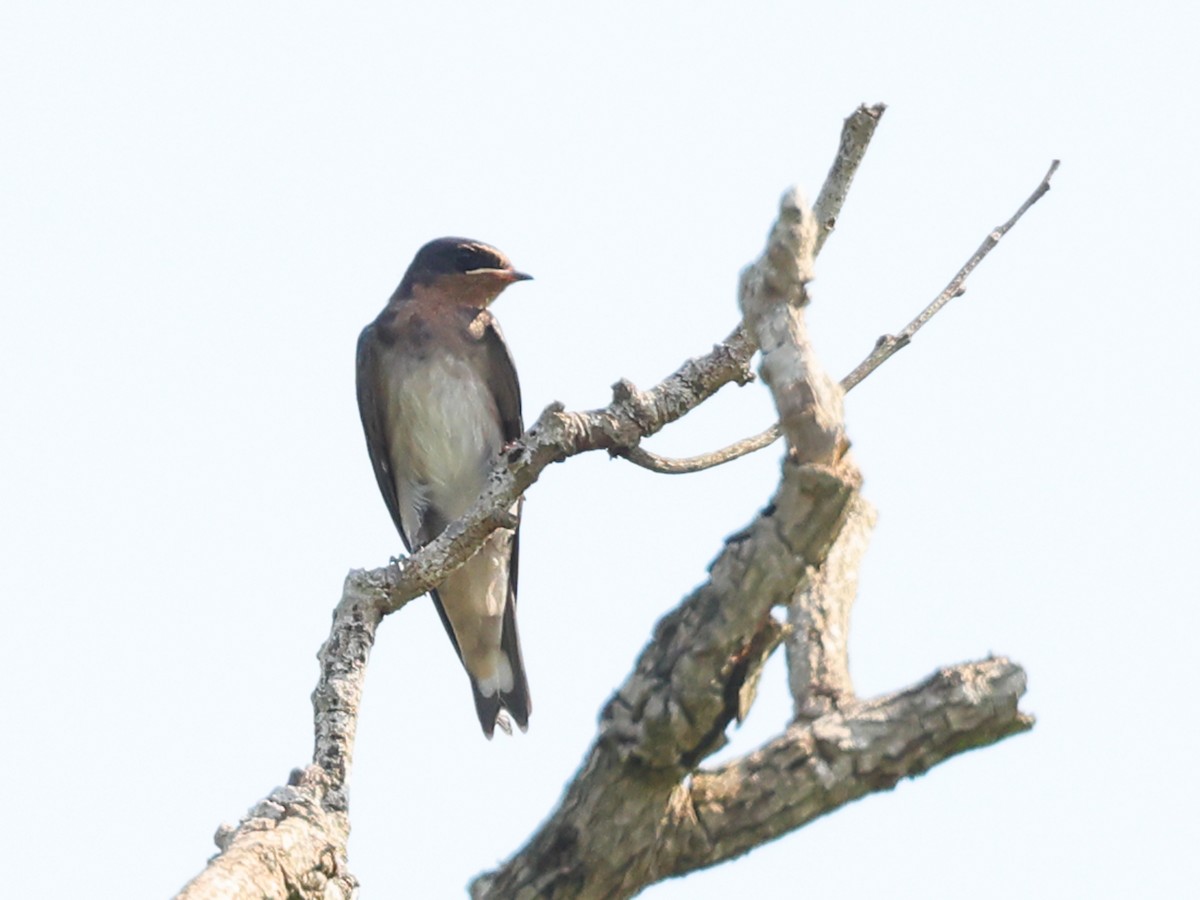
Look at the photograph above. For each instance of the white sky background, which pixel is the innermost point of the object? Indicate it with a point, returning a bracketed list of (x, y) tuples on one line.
[(202, 204)]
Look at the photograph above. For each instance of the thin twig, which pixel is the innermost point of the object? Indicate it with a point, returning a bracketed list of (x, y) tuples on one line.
[(668, 466), (857, 131), (887, 345), (885, 348)]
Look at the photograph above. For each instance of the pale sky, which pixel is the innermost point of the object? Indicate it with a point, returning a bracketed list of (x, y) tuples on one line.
[(202, 204)]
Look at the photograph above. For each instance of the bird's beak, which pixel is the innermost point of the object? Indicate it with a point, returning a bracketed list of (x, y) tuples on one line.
[(508, 276)]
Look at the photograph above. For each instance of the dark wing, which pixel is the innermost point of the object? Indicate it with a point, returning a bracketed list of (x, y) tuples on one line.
[(505, 387), (507, 391), (371, 379)]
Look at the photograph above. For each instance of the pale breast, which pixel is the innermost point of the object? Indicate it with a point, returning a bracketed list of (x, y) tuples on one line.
[(444, 430)]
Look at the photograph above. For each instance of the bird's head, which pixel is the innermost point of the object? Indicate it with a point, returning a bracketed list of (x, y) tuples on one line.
[(467, 272)]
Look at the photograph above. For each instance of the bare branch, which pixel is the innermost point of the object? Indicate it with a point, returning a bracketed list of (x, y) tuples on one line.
[(885, 347), (773, 296), (857, 131), (289, 846), (343, 658), (819, 615), (665, 465), (673, 709), (812, 769)]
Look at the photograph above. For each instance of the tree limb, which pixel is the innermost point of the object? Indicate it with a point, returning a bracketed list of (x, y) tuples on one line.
[(813, 769), (889, 344), (818, 661), (666, 465), (857, 131), (288, 846), (885, 347)]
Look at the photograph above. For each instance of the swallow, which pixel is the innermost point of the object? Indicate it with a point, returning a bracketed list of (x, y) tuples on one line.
[(439, 398)]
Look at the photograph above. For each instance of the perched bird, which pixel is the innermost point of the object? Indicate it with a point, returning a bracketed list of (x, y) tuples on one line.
[(438, 396)]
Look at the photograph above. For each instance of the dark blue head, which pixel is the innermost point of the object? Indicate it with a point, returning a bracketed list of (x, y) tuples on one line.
[(461, 259)]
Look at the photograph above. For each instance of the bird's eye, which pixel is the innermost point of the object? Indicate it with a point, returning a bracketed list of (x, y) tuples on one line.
[(467, 259)]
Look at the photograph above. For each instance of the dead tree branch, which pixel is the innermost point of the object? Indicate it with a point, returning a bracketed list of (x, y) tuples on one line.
[(889, 344), (885, 347), (812, 769)]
